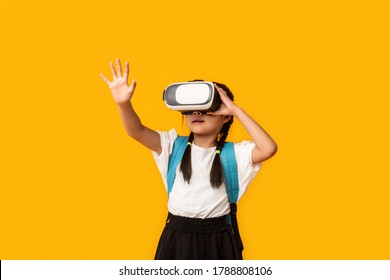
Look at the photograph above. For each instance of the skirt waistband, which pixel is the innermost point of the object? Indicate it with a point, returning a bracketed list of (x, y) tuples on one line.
[(196, 223)]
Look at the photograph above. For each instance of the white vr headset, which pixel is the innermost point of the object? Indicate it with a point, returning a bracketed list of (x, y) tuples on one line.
[(192, 96)]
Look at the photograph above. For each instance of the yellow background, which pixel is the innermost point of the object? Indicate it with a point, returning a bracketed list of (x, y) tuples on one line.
[(314, 74)]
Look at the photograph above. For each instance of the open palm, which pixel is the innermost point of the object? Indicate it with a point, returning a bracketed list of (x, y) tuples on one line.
[(119, 87)]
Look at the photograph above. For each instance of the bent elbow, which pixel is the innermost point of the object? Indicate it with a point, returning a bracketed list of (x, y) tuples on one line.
[(273, 149), (260, 155), (270, 151)]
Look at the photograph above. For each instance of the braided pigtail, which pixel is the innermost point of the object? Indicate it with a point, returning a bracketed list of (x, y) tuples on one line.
[(185, 166), (216, 174)]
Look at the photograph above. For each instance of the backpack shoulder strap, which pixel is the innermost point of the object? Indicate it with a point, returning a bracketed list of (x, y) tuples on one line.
[(178, 149), (229, 164)]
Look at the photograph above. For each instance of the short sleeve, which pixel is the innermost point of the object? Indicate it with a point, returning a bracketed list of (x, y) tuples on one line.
[(247, 171), (167, 139)]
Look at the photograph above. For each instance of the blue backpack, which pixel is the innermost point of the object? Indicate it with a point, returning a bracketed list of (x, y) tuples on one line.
[(229, 165)]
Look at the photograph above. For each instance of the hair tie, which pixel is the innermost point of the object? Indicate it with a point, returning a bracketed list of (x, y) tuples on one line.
[(189, 143), (217, 152)]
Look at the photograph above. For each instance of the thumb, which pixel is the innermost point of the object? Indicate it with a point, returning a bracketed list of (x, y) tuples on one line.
[(133, 84)]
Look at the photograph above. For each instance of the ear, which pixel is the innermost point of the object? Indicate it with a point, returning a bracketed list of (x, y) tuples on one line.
[(226, 118)]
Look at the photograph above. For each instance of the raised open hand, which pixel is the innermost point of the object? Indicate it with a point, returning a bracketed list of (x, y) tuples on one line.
[(119, 87)]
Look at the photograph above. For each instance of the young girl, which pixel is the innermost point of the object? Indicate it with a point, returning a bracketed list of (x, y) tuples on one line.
[(198, 204)]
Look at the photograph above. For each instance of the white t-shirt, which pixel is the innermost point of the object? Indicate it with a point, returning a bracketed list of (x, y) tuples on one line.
[(198, 199)]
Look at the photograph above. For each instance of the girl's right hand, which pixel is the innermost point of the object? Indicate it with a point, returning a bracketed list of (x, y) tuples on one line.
[(120, 88)]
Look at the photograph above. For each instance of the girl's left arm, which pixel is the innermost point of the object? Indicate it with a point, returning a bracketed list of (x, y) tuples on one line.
[(265, 146)]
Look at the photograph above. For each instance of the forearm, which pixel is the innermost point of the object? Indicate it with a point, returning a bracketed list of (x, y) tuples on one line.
[(136, 130), (265, 145), (130, 120)]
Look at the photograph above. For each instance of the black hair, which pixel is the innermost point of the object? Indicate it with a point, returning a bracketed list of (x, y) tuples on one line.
[(216, 174)]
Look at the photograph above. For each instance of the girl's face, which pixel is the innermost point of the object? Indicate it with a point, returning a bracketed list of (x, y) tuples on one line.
[(203, 124)]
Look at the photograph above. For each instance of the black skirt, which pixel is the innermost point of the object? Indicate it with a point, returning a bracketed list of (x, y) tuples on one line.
[(197, 239)]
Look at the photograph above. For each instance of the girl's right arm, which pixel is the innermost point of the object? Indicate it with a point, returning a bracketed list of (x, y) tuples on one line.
[(122, 93)]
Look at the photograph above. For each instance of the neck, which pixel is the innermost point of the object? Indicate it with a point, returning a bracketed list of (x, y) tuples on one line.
[(205, 141)]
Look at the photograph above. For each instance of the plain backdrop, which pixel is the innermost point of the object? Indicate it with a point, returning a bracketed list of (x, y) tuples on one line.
[(314, 74)]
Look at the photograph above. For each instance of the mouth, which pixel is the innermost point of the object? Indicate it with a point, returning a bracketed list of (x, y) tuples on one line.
[(197, 121)]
